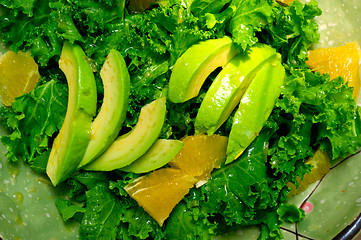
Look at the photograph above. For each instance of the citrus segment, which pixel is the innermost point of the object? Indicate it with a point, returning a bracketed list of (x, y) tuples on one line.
[(321, 166), (18, 75), (338, 61), (200, 155), (286, 1), (160, 191)]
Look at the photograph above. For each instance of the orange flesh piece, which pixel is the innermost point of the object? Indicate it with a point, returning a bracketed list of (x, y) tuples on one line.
[(160, 191), (338, 61), (200, 155), (18, 75)]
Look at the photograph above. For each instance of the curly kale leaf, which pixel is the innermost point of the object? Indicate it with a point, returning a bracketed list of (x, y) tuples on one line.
[(98, 17), (249, 17), (203, 7), (242, 19), (102, 214), (68, 210), (33, 119), (25, 7), (104, 209), (293, 31), (41, 31), (290, 29), (312, 113), (44, 28), (329, 106)]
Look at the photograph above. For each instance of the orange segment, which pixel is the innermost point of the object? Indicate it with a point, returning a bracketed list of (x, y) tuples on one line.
[(160, 191), (18, 75), (338, 61), (321, 166), (286, 1), (200, 155)]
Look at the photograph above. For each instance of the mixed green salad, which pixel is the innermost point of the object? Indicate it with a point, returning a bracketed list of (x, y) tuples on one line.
[(310, 113)]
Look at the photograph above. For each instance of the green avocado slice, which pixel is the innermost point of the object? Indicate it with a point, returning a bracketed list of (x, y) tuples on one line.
[(194, 66), (129, 147), (255, 107), (229, 86), (161, 153), (109, 121), (70, 144)]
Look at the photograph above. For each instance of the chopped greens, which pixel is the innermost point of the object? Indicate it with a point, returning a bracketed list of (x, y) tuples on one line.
[(311, 112), (33, 120)]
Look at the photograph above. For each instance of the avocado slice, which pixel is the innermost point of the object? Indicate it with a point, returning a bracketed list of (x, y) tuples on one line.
[(161, 152), (194, 66), (229, 86), (70, 144), (129, 147), (109, 121), (255, 107)]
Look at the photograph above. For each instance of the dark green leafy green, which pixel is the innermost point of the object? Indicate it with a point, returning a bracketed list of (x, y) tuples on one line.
[(25, 7), (202, 7), (240, 18), (313, 112), (33, 119), (40, 162), (290, 213), (189, 223), (40, 31), (106, 209), (248, 18), (102, 214), (293, 30), (69, 210)]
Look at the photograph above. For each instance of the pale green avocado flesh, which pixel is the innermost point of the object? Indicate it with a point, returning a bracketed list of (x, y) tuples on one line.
[(229, 86), (196, 64), (109, 121), (255, 107), (129, 147), (161, 153), (70, 144)]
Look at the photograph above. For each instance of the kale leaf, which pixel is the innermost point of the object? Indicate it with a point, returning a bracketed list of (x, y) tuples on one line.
[(101, 216), (248, 18), (34, 119), (293, 31)]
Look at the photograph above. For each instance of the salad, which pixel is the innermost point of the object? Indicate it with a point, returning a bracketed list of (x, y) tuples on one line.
[(309, 113)]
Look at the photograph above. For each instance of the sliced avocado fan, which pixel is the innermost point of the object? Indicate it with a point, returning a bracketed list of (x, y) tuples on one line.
[(229, 86), (255, 107), (159, 154), (196, 64), (109, 121), (129, 147), (70, 144)]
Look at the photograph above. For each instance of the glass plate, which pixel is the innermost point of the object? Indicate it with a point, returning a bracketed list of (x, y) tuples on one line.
[(332, 205)]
